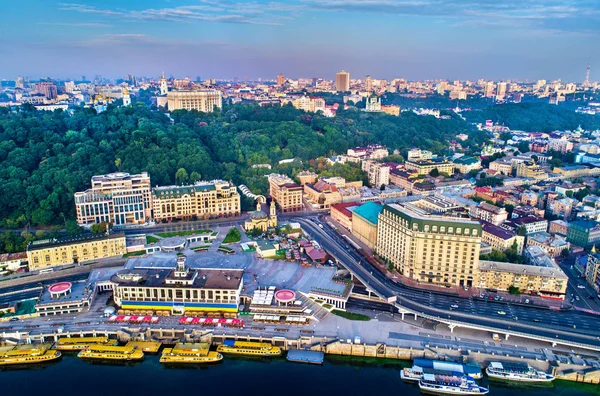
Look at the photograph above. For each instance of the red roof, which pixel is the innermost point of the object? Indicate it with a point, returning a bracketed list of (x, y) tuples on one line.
[(343, 208)]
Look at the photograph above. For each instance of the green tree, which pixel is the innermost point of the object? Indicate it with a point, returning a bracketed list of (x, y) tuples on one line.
[(195, 177), (523, 147), (181, 176), (99, 228), (514, 290), (521, 230), (73, 228), (434, 172), (564, 253)]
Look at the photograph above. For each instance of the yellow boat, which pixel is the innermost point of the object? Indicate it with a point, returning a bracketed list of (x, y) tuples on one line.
[(146, 346), (79, 343), (28, 354), (197, 353), (249, 348), (111, 352)]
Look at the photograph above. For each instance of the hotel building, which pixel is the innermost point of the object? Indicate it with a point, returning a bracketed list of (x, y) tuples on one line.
[(117, 198), (285, 192), (204, 100), (178, 290), (201, 200), (50, 253), (429, 248)]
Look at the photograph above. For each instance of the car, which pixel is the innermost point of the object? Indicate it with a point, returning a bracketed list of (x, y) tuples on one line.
[(526, 301), (453, 306), (581, 286), (14, 319), (591, 297), (577, 298), (535, 320), (501, 313)]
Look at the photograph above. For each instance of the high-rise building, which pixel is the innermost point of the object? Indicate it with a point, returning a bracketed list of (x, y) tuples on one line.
[(285, 192), (427, 247), (342, 81), (280, 80), (46, 88), (202, 200), (501, 91), (131, 80), (368, 84), (488, 89), (20, 82), (203, 100), (116, 198)]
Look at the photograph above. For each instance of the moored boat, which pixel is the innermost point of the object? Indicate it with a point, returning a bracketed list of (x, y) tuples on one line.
[(450, 385), (195, 353), (516, 371), (111, 352), (80, 343), (28, 354), (249, 348)]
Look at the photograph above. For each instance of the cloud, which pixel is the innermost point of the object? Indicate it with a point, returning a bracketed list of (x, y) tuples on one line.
[(76, 24), (249, 14), (139, 39)]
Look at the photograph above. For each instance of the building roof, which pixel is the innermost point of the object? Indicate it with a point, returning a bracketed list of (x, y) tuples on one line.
[(205, 278), (369, 211), (179, 191), (496, 231), (37, 245), (345, 209), (466, 160), (420, 217), (552, 272), (583, 224)]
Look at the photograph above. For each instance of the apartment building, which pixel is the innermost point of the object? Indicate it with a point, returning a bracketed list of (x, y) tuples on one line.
[(371, 151), (117, 198), (379, 173), (490, 213), (202, 200), (553, 245), (428, 247), (499, 238), (285, 192)]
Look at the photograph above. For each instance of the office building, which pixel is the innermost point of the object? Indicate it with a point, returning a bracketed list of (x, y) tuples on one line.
[(205, 100), (428, 247), (202, 200), (116, 198), (178, 290), (62, 251), (584, 233), (286, 193), (342, 81)]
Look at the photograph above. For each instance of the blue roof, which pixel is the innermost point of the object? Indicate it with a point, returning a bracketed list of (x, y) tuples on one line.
[(369, 211)]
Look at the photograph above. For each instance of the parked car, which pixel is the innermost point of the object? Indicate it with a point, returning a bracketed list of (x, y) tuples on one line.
[(453, 306), (581, 286), (501, 313)]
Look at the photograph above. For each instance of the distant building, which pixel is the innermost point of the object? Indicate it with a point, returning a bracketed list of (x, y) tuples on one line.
[(530, 223), (552, 245), (416, 154), (306, 177), (202, 200), (116, 198), (280, 80), (342, 81), (379, 173), (559, 227), (466, 164), (489, 213), (424, 167), (373, 104), (499, 238), (55, 252), (391, 110), (48, 89), (203, 100), (370, 152)]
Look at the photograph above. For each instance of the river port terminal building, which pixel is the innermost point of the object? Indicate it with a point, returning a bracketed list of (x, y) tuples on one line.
[(178, 290)]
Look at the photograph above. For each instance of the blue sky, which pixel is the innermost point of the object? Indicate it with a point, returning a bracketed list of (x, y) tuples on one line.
[(414, 39)]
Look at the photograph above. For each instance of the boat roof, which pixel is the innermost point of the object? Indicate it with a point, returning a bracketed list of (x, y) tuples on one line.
[(429, 377)]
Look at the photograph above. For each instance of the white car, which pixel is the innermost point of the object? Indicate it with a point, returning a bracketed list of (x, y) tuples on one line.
[(581, 286), (453, 306), (501, 313)]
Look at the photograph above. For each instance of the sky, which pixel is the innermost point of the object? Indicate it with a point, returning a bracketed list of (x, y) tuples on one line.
[(415, 39)]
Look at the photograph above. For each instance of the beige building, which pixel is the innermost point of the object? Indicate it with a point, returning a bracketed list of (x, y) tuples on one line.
[(429, 248), (502, 166), (424, 167), (116, 198), (392, 110), (530, 170), (204, 100), (285, 192), (201, 200), (364, 223), (549, 282), (321, 195), (50, 253), (490, 213), (306, 177), (379, 173), (342, 81), (499, 238), (311, 104)]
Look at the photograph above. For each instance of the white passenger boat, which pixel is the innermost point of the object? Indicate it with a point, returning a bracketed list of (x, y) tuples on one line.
[(514, 371), (450, 385)]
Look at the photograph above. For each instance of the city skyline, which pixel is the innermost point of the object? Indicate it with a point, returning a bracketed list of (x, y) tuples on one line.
[(421, 39)]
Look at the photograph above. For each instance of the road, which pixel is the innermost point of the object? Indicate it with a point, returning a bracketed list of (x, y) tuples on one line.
[(570, 325)]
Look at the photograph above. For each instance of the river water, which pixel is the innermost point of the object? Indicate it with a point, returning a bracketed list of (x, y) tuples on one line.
[(338, 376)]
